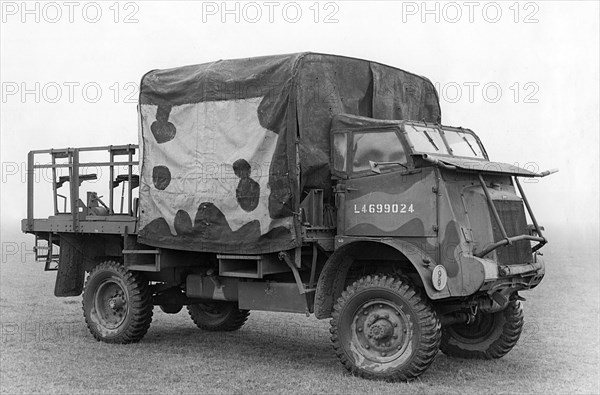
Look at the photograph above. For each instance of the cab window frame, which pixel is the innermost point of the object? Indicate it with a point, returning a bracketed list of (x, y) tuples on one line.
[(444, 129), (341, 174), (387, 169), (441, 129)]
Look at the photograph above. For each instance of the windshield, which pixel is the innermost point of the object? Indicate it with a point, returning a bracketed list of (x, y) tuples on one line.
[(429, 140), (463, 144), (426, 139)]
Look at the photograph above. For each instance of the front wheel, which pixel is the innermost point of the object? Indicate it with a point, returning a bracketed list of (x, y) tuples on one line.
[(383, 329), (489, 336), (117, 304)]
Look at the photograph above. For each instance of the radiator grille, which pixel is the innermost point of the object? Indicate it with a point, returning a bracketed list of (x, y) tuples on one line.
[(512, 214)]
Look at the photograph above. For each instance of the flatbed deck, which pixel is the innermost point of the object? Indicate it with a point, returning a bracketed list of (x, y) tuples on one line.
[(84, 212), (110, 224)]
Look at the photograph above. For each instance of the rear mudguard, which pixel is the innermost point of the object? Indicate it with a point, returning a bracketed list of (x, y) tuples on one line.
[(71, 271)]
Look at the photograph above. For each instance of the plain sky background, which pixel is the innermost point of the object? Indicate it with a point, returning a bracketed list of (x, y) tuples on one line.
[(524, 76)]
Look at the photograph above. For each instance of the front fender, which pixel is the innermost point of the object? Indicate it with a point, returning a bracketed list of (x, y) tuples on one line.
[(333, 276)]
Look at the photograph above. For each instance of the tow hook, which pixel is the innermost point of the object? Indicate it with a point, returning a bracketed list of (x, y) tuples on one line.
[(470, 319), (516, 296), (472, 313)]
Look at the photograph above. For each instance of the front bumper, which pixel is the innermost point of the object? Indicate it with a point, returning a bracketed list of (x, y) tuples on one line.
[(522, 276), (514, 270), (481, 274)]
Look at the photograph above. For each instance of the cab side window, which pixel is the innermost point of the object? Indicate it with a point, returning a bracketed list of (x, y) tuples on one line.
[(340, 151), (377, 147)]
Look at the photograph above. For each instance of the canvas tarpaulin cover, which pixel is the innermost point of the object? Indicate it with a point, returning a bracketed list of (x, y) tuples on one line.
[(229, 146)]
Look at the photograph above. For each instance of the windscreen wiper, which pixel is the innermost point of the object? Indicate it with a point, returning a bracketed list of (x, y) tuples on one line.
[(430, 140), (469, 144)]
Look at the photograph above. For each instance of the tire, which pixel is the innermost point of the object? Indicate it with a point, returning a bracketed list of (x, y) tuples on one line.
[(117, 304), (381, 328), (490, 336), (218, 316), (171, 308)]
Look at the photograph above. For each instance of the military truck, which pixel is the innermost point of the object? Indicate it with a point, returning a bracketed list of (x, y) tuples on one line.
[(305, 183)]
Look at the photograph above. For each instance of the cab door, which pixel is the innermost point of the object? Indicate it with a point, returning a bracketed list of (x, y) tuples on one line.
[(399, 201)]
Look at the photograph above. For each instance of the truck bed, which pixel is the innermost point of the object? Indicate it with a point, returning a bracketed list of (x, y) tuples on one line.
[(110, 224)]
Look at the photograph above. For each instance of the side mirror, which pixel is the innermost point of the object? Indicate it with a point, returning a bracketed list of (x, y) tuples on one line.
[(375, 166)]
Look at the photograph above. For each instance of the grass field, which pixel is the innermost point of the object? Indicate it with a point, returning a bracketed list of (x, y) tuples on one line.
[(45, 345)]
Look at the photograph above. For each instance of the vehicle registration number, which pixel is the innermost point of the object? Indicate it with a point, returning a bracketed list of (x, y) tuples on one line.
[(384, 208)]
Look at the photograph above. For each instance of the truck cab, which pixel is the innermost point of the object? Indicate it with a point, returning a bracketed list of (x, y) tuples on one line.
[(434, 187)]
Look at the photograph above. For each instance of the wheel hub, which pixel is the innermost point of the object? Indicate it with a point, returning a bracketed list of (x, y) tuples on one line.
[(472, 332), (383, 330), (116, 302), (214, 309), (111, 304)]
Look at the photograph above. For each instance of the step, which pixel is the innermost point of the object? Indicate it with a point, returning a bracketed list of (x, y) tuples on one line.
[(250, 266)]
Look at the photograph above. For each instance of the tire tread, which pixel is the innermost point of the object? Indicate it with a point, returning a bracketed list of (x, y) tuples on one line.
[(428, 322), (512, 326), (236, 319), (140, 303)]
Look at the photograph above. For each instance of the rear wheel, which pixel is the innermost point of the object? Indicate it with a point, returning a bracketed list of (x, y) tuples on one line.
[(383, 329), (117, 304), (171, 308), (218, 316), (489, 336)]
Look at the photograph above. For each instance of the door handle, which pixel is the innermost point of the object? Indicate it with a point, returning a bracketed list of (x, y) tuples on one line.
[(350, 189)]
